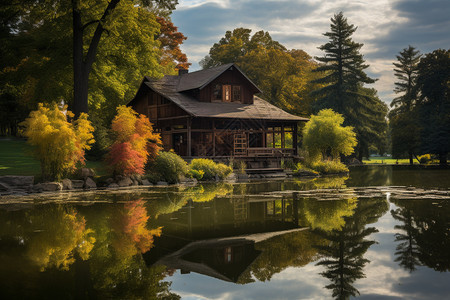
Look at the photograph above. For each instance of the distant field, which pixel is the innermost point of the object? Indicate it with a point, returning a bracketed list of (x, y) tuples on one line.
[(388, 160), (16, 159)]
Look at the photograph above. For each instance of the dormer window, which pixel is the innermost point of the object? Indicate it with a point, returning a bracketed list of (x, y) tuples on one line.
[(227, 93)]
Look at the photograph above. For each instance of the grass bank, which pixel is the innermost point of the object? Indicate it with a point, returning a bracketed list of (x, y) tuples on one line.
[(16, 159)]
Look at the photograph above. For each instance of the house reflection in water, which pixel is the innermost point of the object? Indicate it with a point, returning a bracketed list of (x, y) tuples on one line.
[(217, 238)]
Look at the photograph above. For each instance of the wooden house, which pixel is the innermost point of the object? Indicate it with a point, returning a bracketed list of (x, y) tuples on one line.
[(214, 113)]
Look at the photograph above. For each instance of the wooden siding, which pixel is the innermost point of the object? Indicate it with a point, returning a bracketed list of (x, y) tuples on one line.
[(156, 107), (230, 77)]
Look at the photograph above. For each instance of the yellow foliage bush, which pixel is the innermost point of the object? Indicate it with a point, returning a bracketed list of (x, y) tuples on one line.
[(59, 142)]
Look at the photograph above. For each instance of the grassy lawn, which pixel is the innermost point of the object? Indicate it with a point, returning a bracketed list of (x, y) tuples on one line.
[(387, 160), (16, 159)]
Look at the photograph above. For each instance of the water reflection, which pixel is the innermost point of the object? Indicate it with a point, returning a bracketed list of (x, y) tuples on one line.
[(423, 239), (130, 245), (343, 255)]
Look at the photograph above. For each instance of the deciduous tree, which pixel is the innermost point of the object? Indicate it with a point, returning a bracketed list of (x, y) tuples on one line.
[(59, 142), (134, 142)]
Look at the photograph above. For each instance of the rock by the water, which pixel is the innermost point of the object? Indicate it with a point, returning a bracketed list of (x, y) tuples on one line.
[(113, 185), (124, 181), (21, 182), (77, 184), (162, 183), (86, 172), (67, 184), (48, 186), (90, 184), (145, 182)]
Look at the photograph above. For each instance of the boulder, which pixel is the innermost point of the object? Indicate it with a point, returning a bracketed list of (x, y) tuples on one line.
[(162, 183), (134, 182), (113, 185), (4, 187), (86, 172), (48, 186), (109, 181), (77, 184), (145, 182), (124, 181), (67, 184), (21, 182), (90, 184)]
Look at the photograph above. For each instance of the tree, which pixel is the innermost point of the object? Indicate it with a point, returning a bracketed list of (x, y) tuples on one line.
[(325, 136), (403, 116), (284, 76), (434, 106), (343, 78), (92, 53), (171, 40), (82, 62), (59, 143), (134, 142)]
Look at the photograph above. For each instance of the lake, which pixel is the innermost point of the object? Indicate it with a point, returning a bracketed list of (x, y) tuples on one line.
[(381, 233)]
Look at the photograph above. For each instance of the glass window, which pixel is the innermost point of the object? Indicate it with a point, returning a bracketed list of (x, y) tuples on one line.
[(217, 92), (236, 93)]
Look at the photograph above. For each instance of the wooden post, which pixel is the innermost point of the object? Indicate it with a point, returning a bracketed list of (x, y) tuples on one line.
[(214, 138), (189, 121), (294, 139)]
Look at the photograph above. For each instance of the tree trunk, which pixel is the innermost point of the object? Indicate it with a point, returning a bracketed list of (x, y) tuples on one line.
[(443, 159), (411, 159), (82, 65)]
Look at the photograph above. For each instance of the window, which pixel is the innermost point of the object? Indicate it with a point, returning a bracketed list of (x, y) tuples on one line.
[(236, 93), (227, 93), (217, 92)]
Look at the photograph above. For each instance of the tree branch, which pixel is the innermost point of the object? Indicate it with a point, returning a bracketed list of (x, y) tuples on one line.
[(89, 23), (90, 57)]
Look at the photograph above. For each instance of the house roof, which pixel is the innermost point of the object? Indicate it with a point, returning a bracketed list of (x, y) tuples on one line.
[(171, 87), (200, 79)]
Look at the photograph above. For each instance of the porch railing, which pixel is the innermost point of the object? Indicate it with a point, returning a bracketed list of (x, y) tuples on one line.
[(269, 152)]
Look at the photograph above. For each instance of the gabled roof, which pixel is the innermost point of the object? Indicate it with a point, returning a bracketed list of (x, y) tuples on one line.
[(169, 87), (200, 79)]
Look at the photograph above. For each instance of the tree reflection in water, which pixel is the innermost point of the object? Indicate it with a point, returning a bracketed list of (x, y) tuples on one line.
[(424, 235), (66, 252), (343, 255)]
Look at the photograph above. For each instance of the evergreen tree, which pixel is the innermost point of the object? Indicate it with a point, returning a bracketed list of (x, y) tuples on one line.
[(343, 76), (403, 117), (434, 104)]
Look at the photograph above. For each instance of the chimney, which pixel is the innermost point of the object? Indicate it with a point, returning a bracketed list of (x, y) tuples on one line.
[(182, 71)]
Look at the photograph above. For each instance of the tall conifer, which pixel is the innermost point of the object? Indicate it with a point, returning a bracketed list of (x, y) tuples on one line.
[(343, 76)]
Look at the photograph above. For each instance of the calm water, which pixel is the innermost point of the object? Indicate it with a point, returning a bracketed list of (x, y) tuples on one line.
[(379, 234)]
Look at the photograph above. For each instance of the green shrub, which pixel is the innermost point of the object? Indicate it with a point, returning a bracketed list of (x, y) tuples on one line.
[(329, 167), (197, 174), (299, 168), (169, 167), (210, 168)]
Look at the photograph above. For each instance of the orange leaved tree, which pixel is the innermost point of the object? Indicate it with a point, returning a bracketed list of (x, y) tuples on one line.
[(134, 142), (59, 143)]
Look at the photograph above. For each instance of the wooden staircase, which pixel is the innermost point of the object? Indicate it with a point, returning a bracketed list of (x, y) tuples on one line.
[(240, 144)]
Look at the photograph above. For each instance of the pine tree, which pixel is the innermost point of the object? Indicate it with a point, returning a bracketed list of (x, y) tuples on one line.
[(343, 76), (403, 117)]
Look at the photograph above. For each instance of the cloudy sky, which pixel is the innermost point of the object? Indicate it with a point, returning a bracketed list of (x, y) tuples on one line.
[(385, 27)]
